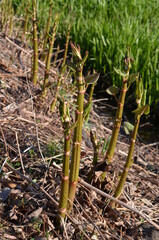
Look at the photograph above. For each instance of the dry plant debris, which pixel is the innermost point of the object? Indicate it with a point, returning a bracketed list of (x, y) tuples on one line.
[(31, 141)]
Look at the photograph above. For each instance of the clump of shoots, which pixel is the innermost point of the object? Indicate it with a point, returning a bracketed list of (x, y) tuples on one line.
[(66, 45), (35, 43), (61, 74), (4, 12), (46, 35), (113, 90), (76, 149), (49, 55), (141, 109)]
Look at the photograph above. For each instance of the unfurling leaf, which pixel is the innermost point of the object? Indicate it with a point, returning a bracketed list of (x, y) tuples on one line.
[(76, 50), (92, 79), (105, 145), (142, 110), (128, 127), (132, 78), (118, 71), (113, 90)]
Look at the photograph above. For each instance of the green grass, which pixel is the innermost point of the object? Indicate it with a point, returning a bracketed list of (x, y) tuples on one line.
[(106, 28)]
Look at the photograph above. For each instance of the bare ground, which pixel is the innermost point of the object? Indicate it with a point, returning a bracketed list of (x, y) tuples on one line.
[(31, 141)]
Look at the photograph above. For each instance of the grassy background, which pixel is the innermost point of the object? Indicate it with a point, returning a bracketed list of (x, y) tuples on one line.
[(105, 29)]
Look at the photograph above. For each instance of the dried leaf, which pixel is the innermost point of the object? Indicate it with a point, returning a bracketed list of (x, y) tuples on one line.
[(5, 193), (7, 236), (35, 213)]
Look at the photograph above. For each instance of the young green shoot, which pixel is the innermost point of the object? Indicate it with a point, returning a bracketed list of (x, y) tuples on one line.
[(113, 90), (141, 109), (49, 55), (76, 150), (46, 34), (96, 145), (35, 43), (53, 103), (66, 45), (25, 25), (65, 118)]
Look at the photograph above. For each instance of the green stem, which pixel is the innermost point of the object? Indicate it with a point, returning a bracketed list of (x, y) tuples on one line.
[(56, 55), (91, 93), (46, 35), (129, 160), (96, 145), (66, 46), (25, 25), (65, 172), (76, 152), (11, 20), (35, 44), (117, 123), (48, 61), (53, 104)]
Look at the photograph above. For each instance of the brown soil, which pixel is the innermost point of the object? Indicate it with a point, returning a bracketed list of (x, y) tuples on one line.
[(31, 141)]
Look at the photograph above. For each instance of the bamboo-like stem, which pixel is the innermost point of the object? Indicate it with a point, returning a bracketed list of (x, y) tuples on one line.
[(129, 160), (91, 93), (46, 35), (88, 105), (66, 45), (96, 145), (11, 20), (35, 43), (118, 119), (53, 103), (2, 13), (65, 171), (25, 25), (76, 151), (56, 55), (48, 61)]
